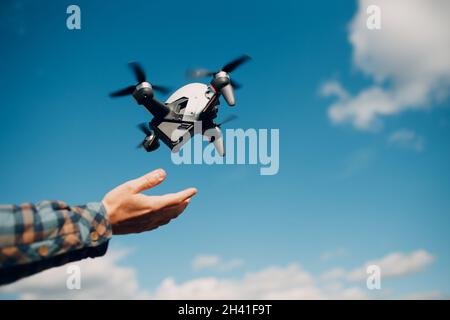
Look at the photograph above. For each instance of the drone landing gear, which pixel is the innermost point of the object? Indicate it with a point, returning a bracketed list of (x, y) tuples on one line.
[(151, 142)]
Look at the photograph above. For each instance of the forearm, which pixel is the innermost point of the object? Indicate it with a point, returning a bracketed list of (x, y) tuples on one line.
[(37, 237)]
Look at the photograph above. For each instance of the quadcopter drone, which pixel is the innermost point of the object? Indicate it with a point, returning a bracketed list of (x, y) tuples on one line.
[(175, 121)]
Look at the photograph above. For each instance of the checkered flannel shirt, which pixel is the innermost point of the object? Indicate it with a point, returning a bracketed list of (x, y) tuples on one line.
[(49, 234)]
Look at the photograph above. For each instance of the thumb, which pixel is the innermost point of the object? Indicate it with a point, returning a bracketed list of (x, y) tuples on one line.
[(147, 181)]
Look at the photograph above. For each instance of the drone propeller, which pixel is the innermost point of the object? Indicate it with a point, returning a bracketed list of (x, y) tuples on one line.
[(228, 119), (123, 92), (140, 77), (140, 145), (145, 130), (138, 71), (235, 84), (229, 67)]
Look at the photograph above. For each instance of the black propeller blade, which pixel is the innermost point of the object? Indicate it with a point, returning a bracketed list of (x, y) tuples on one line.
[(231, 66), (140, 145), (144, 128), (236, 85), (138, 71), (140, 77), (162, 89), (123, 92), (229, 119)]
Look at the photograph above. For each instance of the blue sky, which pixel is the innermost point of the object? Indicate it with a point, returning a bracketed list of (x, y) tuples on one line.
[(339, 188)]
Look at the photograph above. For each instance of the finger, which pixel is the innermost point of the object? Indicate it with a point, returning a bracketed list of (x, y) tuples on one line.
[(179, 204), (147, 181), (159, 202)]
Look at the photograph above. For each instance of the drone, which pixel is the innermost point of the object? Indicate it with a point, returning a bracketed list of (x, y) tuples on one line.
[(192, 106)]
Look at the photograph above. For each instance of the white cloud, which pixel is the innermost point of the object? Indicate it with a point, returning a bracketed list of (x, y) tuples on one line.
[(396, 264), (333, 274), (214, 261), (333, 88), (101, 278), (290, 282), (205, 261), (231, 264), (407, 139), (105, 278), (293, 282), (408, 61)]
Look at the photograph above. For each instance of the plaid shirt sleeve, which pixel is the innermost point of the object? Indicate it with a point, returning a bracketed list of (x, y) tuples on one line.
[(51, 233)]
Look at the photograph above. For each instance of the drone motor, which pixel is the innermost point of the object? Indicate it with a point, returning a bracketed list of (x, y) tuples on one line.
[(222, 82), (142, 92)]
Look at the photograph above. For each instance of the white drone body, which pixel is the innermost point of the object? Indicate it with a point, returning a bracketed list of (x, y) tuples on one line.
[(198, 96)]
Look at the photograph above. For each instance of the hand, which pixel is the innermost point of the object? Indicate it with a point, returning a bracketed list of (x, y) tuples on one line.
[(129, 211)]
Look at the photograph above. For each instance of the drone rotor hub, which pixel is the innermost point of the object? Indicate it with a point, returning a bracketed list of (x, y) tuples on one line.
[(143, 85), (143, 91), (221, 74)]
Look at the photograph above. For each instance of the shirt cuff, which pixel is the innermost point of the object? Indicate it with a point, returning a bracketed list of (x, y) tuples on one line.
[(94, 225)]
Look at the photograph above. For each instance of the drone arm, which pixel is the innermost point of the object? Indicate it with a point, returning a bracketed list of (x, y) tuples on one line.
[(155, 107)]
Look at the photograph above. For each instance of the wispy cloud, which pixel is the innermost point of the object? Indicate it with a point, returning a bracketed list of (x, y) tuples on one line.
[(407, 60), (333, 88), (358, 161), (205, 261), (215, 262), (407, 139), (396, 264)]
